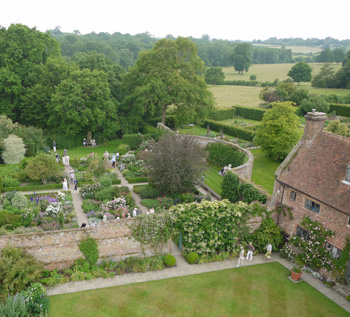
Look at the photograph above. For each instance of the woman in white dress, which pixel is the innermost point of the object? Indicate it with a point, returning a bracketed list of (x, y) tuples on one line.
[(64, 160), (65, 184)]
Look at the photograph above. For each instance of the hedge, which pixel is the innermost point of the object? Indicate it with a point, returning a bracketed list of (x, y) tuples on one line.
[(116, 181), (224, 114), (340, 109), (32, 187), (169, 121), (133, 180), (237, 132), (133, 140), (250, 113), (239, 82)]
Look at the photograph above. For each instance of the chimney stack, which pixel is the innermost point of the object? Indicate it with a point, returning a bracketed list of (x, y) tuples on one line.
[(314, 124)]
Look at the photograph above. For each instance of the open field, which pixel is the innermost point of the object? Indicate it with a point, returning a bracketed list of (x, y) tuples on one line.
[(259, 290), (295, 49), (228, 96), (269, 72)]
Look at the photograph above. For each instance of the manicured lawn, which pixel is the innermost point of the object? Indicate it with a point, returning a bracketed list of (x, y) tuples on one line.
[(264, 170), (213, 179), (259, 290), (80, 151), (239, 122)]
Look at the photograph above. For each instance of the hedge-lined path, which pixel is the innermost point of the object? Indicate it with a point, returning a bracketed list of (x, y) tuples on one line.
[(184, 269)]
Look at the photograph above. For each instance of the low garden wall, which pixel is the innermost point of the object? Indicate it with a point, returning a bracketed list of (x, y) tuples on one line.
[(59, 249), (244, 170)]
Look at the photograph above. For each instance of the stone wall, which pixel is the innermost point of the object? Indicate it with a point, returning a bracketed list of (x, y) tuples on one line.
[(59, 249)]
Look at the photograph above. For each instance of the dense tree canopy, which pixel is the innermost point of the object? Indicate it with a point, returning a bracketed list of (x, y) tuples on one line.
[(242, 57), (171, 74), (300, 72), (83, 103), (279, 130), (214, 75)]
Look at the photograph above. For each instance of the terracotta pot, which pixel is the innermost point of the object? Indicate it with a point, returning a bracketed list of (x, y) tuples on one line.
[(296, 276)]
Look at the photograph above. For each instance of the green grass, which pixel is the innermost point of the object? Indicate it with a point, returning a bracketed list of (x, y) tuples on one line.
[(259, 290), (80, 151), (213, 179), (264, 170), (195, 130), (247, 121)]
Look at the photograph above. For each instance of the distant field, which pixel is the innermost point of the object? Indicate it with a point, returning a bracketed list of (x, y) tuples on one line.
[(269, 72), (228, 96), (295, 49)]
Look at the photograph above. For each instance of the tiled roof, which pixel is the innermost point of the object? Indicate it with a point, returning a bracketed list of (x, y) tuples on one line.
[(318, 170)]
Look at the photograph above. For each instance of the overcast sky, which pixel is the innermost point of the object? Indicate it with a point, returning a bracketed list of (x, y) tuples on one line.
[(220, 19)]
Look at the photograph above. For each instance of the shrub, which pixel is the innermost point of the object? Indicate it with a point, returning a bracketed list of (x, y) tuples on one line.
[(314, 102), (192, 257), (133, 140), (122, 149), (7, 218), (18, 269), (106, 180), (250, 193), (135, 180), (252, 77), (268, 232), (36, 300), (89, 248), (19, 201), (224, 114), (230, 187), (221, 155), (14, 149), (149, 203), (8, 181), (14, 306), (169, 260), (147, 191)]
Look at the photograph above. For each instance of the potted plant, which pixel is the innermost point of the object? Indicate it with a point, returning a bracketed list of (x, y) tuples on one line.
[(296, 273)]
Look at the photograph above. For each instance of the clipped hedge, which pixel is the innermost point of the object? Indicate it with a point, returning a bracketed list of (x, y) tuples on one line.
[(224, 114), (133, 140), (169, 121), (242, 133), (116, 181), (340, 109), (32, 187), (250, 113), (134, 180)]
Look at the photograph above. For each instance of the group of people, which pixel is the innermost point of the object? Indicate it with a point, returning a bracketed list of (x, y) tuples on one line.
[(225, 169), (113, 159), (250, 252)]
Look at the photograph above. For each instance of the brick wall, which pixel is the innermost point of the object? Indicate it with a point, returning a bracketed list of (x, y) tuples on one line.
[(331, 218), (59, 249)]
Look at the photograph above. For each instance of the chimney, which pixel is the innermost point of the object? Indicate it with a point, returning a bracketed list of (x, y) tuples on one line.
[(314, 124)]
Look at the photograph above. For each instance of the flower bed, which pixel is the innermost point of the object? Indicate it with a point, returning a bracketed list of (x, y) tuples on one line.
[(44, 212)]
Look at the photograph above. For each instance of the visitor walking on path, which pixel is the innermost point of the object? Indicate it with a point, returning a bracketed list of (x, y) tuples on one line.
[(67, 160), (269, 250), (71, 175), (65, 184), (250, 252), (75, 184), (240, 258), (113, 161)]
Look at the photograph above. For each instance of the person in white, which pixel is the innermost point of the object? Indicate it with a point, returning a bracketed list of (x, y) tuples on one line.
[(251, 249), (269, 251), (151, 211), (134, 212), (65, 184), (240, 258), (104, 218), (64, 160), (67, 160), (106, 155), (117, 155)]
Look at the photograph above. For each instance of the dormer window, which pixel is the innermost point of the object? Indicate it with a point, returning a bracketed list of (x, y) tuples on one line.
[(347, 175)]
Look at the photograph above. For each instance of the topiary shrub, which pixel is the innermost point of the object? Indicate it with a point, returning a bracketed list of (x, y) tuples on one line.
[(230, 187), (169, 260), (122, 149), (19, 200), (192, 257), (89, 248)]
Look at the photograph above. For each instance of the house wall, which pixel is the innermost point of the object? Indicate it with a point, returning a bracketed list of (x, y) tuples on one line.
[(330, 218)]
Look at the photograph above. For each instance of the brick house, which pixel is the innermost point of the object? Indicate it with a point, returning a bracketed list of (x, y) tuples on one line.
[(314, 179)]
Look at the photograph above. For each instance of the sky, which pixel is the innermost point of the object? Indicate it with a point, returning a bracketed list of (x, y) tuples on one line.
[(243, 20)]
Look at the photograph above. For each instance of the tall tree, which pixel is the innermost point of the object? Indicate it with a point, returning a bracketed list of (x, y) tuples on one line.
[(83, 103), (171, 74), (326, 56), (214, 75), (338, 55), (21, 50), (242, 57), (279, 130), (300, 72), (325, 78)]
